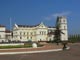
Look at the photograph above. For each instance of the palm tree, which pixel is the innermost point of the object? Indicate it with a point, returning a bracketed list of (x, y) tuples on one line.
[(57, 37), (57, 34)]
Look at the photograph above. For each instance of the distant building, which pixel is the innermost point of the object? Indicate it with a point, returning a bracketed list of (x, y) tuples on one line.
[(2, 33), (39, 32), (34, 33), (62, 21), (8, 35), (5, 35)]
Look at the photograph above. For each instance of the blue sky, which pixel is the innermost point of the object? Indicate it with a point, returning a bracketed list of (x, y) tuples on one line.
[(31, 12)]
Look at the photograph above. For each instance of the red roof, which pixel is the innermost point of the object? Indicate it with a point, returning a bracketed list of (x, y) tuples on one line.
[(2, 26), (8, 31)]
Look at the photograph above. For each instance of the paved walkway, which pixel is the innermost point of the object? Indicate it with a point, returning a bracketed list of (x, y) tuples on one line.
[(45, 48), (72, 54)]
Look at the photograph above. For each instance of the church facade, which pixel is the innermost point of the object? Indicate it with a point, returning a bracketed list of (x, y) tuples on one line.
[(39, 32), (34, 33)]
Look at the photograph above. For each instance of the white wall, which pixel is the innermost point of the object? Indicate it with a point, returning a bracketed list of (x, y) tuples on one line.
[(2, 33)]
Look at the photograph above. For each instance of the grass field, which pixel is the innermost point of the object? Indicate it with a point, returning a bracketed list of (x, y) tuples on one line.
[(19, 46)]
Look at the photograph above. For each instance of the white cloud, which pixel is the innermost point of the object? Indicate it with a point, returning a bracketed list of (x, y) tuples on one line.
[(61, 14), (57, 14), (48, 18)]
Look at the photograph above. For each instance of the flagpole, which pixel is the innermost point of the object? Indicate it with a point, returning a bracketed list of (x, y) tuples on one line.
[(11, 26), (10, 23)]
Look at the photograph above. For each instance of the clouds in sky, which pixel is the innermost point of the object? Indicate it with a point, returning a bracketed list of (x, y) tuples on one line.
[(57, 14)]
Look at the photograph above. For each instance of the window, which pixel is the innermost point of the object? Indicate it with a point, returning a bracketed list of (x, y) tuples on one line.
[(20, 33), (31, 37), (27, 37), (24, 33), (31, 33), (63, 20), (40, 32), (20, 37), (64, 27), (40, 40)]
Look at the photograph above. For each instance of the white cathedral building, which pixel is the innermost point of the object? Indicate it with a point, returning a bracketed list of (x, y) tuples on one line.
[(39, 32)]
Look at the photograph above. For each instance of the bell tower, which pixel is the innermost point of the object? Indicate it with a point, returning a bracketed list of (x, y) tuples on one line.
[(62, 22)]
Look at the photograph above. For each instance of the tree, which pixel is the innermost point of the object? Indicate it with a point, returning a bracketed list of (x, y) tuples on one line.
[(74, 38), (57, 34)]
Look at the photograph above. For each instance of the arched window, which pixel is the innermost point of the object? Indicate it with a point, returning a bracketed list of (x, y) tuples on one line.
[(64, 21), (20, 37)]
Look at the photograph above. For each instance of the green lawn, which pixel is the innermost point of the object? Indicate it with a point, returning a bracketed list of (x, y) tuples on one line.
[(18, 46)]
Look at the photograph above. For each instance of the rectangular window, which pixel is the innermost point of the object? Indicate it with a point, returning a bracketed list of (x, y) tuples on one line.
[(24, 33), (31, 37), (27, 37), (64, 21), (20, 37), (20, 33), (64, 27), (40, 32), (31, 33)]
